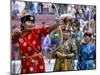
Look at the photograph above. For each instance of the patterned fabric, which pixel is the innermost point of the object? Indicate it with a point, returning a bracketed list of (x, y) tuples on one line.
[(36, 63), (69, 46), (64, 64), (87, 56)]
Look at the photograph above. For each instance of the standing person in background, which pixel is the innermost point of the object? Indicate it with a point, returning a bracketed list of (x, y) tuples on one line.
[(24, 12), (66, 54), (40, 8), (31, 9), (45, 8), (87, 54)]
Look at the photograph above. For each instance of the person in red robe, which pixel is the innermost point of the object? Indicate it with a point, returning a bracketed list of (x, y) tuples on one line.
[(29, 39)]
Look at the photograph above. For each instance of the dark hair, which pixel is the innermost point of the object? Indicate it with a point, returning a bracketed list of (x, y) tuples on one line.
[(66, 31), (22, 27), (26, 18), (65, 20), (87, 34)]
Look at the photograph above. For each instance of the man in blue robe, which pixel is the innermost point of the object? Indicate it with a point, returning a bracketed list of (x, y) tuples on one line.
[(87, 54)]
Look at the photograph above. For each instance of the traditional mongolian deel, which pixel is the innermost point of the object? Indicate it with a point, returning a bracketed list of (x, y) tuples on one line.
[(87, 56), (31, 57)]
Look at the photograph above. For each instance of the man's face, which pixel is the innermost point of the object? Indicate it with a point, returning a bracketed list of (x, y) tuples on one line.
[(66, 35), (87, 38)]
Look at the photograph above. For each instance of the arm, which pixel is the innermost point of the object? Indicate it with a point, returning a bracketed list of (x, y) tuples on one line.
[(53, 27), (59, 54), (62, 55), (74, 48), (73, 51), (47, 30)]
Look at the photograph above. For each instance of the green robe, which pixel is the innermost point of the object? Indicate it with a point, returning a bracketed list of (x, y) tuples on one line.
[(65, 64)]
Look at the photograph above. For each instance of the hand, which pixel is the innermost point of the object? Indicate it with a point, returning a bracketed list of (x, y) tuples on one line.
[(17, 30), (40, 55), (59, 54), (69, 55), (94, 66), (58, 21)]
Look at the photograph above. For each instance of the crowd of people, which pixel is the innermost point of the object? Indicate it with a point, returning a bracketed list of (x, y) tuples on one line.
[(32, 44)]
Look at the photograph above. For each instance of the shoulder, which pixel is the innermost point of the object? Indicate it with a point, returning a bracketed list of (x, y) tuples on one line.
[(39, 28), (71, 41), (36, 28)]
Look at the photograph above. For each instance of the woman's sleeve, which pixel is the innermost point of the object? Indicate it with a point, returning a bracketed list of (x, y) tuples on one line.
[(44, 31)]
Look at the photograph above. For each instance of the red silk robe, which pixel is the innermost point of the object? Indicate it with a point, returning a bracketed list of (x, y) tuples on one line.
[(33, 64)]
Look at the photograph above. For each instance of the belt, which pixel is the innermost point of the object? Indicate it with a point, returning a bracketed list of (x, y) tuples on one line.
[(89, 59), (26, 56)]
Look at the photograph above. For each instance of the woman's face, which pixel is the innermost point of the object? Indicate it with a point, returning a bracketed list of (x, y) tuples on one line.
[(28, 25)]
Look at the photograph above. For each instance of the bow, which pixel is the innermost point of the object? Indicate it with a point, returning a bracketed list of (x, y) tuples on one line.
[(61, 35)]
